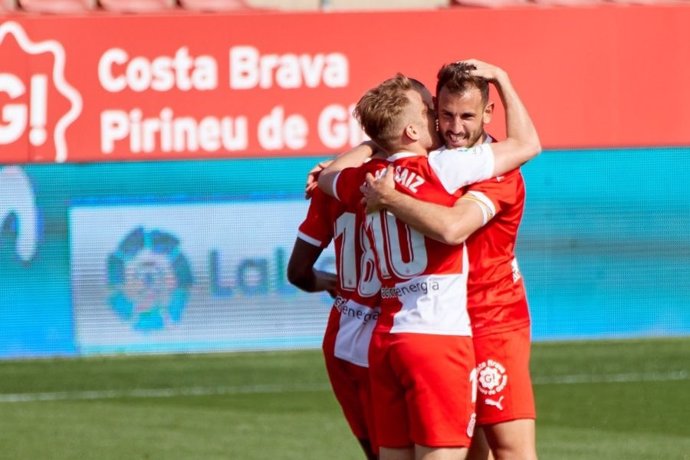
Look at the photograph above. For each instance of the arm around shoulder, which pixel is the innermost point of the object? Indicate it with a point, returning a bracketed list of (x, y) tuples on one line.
[(463, 219), (522, 142), (449, 225), (350, 159)]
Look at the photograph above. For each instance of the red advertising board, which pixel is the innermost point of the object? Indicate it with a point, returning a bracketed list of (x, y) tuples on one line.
[(106, 87)]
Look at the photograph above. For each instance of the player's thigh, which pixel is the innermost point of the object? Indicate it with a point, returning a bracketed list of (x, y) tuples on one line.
[(436, 372), (503, 377), (440, 453), (388, 397), (479, 449), (350, 383), (387, 453), (515, 439), (351, 388)]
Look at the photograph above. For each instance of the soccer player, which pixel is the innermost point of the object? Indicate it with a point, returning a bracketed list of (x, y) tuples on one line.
[(355, 310), (421, 355), (496, 302)]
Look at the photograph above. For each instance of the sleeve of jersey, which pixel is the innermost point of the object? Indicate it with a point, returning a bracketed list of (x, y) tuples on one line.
[(457, 168), (346, 186), (493, 195), (317, 227)]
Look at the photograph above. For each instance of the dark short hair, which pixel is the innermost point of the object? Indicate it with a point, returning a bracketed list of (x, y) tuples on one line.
[(456, 78)]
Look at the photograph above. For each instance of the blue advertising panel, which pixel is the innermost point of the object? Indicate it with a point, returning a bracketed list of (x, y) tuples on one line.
[(191, 255), (605, 243), (190, 276), (76, 239), (35, 309)]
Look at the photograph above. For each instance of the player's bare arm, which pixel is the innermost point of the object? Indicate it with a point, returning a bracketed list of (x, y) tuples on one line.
[(449, 225), (522, 142), (301, 272), (350, 159)]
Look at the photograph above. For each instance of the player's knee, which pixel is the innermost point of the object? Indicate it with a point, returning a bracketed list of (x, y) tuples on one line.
[(514, 453)]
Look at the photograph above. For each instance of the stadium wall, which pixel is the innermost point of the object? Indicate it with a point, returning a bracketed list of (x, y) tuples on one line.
[(152, 167)]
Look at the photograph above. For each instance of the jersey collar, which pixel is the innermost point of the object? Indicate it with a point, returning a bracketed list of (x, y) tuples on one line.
[(399, 155)]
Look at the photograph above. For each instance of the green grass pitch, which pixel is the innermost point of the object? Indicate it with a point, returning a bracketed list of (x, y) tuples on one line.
[(626, 400)]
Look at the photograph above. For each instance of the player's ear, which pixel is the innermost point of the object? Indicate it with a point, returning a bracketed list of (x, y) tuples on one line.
[(411, 132), (488, 112)]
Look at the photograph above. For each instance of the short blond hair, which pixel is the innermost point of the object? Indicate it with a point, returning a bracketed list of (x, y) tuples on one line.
[(379, 110)]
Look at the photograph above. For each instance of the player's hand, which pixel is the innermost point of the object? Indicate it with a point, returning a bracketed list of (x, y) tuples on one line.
[(313, 178), (485, 70), (377, 191), (327, 282)]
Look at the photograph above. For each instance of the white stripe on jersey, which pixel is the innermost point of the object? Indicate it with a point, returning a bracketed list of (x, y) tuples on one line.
[(457, 168), (309, 239), (357, 323), (484, 202), (432, 304)]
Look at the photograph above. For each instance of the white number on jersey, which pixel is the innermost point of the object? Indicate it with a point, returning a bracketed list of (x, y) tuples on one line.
[(388, 246), (368, 283)]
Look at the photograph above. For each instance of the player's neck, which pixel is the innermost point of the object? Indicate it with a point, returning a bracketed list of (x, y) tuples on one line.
[(413, 147), (410, 147)]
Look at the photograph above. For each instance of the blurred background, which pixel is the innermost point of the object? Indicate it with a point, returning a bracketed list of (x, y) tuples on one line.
[(154, 156)]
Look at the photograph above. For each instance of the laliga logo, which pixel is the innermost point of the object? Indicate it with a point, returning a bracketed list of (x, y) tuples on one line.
[(149, 278), (17, 202), (15, 118)]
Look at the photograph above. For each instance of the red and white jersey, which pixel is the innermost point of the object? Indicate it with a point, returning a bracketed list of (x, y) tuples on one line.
[(496, 293), (358, 286), (424, 282)]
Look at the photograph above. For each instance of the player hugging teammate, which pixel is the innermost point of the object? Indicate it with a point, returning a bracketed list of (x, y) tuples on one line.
[(431, 349)]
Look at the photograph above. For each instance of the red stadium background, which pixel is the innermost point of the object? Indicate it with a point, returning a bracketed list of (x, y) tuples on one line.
[(101, 87)]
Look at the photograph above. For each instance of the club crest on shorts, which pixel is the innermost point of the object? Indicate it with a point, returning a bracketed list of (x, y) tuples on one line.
[(492, 377)]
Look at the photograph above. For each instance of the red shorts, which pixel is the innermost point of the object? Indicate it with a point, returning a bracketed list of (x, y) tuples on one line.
[(351, 386), (503, 378), (422, 389)]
